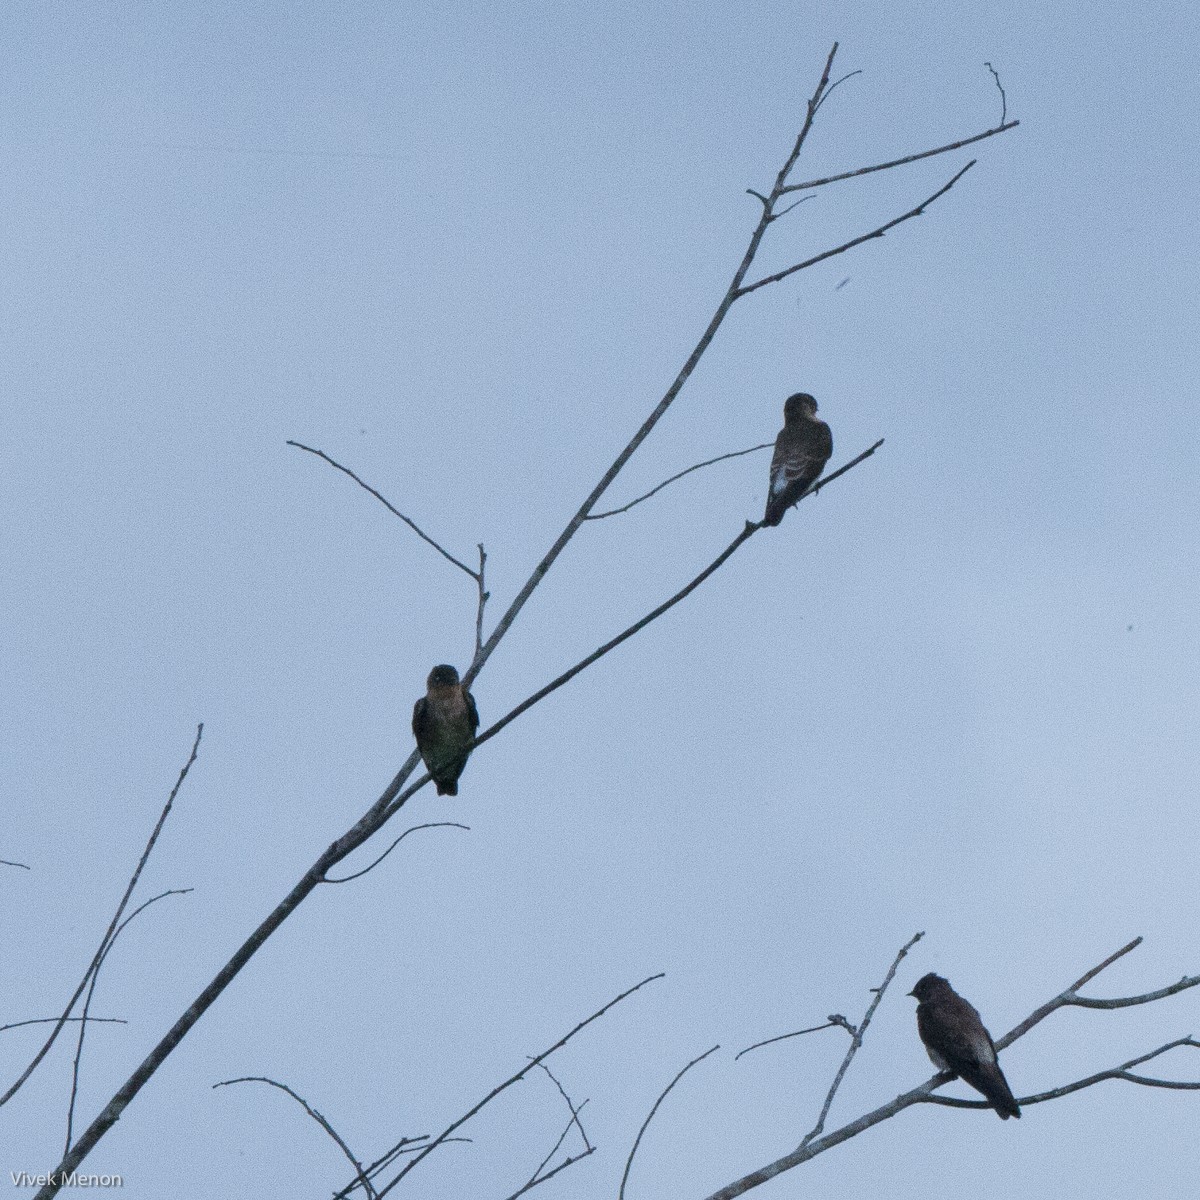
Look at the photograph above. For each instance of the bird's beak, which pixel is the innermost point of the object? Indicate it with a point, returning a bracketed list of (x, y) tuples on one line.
[(913, 994)]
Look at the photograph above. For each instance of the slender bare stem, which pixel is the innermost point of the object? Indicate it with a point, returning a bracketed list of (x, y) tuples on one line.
[(637, 1141), (55, 1020), (87, 1003), (413, 829), (316, 1116), (783, 1037), (389, 506), (4, 862), (708, 462), (856, 1038), (484, 596)]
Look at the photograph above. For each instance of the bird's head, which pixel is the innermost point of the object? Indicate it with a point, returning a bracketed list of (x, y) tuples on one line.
[(442, 676), (929, 986), (798, 407)]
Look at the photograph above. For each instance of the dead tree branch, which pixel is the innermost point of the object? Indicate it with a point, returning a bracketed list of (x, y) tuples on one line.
[(4, 862), (393, 795), (413, 829), (923, 1093), (637, 1141), (113, 926), (337, 1138), (457, 1124), (390, 507), (612, 512)]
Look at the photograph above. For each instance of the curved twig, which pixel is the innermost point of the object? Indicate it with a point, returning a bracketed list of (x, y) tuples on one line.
[(87, 1003), (4, 862), (316, 1116), (1003, 97), (708, 462), (413, 829), (783, 1037), (55, 1020), (637, 1141)]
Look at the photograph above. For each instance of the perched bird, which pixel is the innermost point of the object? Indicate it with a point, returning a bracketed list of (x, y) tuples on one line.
[(802, 449), (444, 723), (956, 1040)]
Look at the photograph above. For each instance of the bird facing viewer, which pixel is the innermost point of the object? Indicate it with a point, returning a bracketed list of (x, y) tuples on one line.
[(444, 722)]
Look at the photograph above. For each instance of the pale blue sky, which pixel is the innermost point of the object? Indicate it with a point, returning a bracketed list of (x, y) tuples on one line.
[(464, 252)]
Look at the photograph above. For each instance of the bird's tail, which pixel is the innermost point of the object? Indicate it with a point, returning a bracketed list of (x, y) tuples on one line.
[(447, 789)]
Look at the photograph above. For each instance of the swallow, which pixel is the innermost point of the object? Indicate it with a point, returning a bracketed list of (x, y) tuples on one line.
[(444, 722), (802, 449), (956, 1040)]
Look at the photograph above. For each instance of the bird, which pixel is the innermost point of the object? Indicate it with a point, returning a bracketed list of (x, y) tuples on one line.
[(956, 1040), (444, 722), (802, 449)]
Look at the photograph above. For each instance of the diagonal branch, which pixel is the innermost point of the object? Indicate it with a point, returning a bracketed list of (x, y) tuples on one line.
[(808, 184), (858, 241), (391, 508), (856, 1039)]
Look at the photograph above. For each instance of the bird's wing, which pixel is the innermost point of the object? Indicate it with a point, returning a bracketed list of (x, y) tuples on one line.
[(420, 721), (472, 711), (953, 1028), (799, 457)]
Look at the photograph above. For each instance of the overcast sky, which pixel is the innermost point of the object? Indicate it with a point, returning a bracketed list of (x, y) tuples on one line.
[(463, 249)]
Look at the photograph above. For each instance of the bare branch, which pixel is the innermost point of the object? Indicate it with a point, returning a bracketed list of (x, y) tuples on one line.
[(708, 462), (837, 83), (55, 1020), (569, 1103), (783, 1037), (900, 162), (316, 1116), (1003, 97), (856, 1039), (1121, 1072), (537, 1177), (484, 596), (5, 863), (389, 506), (413, 829), (106, 940), (858, 241), (87, 1004), (637, 1141), (496, 1091)]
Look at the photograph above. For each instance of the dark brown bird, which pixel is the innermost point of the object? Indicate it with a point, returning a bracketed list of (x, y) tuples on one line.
[(444, 723), (802, 449), (957, 1041)]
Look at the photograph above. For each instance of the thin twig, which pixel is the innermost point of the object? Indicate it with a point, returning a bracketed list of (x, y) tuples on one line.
[(496, 1091), (484, 596), (1003, 97), (388, 505), (5, 863), (537, 1177), (858, 241), (113, 924), (569, 1103), (87, 1003), (637, 1141), (55, 1020), (1003, 127), (612, 512), (413, 829), (856, 1039), (783, 1037), (316, 1116)]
